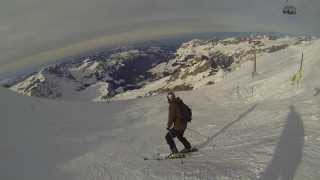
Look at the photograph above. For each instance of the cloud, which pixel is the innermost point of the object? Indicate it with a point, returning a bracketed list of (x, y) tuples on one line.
[(34, 32)]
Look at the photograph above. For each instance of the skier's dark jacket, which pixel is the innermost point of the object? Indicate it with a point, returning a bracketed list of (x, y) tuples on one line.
[(175, 115)]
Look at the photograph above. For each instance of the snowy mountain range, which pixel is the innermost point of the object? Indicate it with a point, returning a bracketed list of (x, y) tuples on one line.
[(261, 128), (128, 73)]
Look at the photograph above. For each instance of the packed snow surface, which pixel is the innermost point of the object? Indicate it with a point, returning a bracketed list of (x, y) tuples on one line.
[(263, 128)]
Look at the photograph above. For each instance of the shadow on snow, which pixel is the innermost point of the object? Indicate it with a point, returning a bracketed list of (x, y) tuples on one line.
[(288, 152), (226, 127), (317, 91)]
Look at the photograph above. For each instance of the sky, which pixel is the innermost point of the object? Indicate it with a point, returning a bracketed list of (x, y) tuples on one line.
[(35, 32)]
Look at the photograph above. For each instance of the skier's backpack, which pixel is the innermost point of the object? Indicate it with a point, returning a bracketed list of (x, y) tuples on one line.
[(186, 112)]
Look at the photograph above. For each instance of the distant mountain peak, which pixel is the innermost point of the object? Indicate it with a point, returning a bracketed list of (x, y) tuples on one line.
[(137, 72)]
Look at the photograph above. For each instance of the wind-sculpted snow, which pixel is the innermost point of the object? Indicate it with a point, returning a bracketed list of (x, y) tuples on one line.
[(270, 133)]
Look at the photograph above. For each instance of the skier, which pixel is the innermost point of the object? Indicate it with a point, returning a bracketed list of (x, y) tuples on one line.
[(176, 125)]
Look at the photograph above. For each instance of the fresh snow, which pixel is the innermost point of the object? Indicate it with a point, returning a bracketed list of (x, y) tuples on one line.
[(271, 134)]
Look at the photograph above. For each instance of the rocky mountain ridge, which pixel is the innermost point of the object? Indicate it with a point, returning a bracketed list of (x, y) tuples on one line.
[(138, 72)]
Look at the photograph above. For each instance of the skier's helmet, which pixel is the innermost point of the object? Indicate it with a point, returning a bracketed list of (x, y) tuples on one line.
[(171, 96)]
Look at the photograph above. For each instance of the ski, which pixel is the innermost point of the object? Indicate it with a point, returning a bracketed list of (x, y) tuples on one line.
[(166, 157), (179, 155), (194, 149)]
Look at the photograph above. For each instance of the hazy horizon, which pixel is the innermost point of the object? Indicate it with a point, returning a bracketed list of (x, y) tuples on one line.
[(36, 32)]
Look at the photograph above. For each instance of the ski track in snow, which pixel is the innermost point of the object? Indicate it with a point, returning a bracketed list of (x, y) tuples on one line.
[(273, 134)]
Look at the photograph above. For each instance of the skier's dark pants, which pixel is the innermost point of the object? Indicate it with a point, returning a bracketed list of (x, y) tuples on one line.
[(179, 134)]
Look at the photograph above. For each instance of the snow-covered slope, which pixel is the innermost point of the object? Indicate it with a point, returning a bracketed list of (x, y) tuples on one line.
[(138, 72), (272, 133), (199, 63)]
